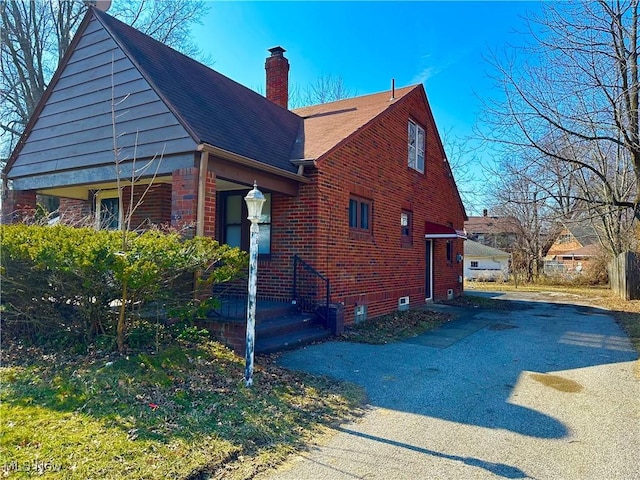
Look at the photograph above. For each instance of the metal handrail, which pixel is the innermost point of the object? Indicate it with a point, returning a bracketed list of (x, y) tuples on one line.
[(304, 302)]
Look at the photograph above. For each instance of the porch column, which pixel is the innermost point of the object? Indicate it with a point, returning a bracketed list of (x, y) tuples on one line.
[(210, 205), (18, 206), (184, 202)]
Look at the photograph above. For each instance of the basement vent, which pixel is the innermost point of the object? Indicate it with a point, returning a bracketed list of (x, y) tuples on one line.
[(450, 294), (403, 303), (360, 313)]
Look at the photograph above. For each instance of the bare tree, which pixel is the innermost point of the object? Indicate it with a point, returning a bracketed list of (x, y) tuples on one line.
[(463, 155), (571, 99), (326, 88), (35, 34), (516, 195)]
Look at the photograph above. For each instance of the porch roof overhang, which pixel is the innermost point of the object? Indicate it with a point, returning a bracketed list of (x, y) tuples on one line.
[(435, 230), (251, 163)]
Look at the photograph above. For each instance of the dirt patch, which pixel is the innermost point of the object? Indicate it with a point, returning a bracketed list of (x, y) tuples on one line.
[(558, 383)]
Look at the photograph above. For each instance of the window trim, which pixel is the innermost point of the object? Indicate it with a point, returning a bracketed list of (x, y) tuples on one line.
[(359, 203), (244, 223), (414, 149)]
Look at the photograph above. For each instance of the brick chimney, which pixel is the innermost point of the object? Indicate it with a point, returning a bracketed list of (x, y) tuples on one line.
[(277, 67)]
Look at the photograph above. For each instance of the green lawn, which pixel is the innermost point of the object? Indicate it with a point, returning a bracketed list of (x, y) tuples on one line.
[(174, 414)]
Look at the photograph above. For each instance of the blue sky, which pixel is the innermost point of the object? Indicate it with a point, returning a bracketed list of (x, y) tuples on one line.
[(439, 44)]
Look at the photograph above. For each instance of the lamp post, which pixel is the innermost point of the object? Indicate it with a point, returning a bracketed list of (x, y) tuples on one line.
[(254, 199)]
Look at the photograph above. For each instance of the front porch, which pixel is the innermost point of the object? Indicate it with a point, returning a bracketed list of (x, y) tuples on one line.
[(281, 322), (280, 325)]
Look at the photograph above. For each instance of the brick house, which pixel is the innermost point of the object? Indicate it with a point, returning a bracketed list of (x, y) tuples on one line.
[(493, 231), (572, 250), (359, 189)]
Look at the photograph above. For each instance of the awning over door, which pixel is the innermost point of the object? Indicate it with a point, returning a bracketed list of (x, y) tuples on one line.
[(435, 230)]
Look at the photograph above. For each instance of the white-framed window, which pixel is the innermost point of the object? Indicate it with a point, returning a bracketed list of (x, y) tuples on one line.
[(474, 264), (416, 146)]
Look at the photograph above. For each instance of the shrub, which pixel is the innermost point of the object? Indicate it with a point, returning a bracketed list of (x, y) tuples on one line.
[(62, 281)]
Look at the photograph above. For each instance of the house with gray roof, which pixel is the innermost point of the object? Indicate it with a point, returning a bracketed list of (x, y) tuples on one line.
[(361, 204), (572, 249), (485, 263)]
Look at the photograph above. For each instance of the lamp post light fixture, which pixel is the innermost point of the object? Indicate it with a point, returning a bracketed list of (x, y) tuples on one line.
[(254, 199)]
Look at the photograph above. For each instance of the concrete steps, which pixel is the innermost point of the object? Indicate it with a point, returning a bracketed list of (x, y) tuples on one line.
[(287, 332)]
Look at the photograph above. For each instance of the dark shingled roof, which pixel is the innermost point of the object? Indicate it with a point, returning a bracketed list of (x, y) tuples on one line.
[(214, 108), (583, 233)]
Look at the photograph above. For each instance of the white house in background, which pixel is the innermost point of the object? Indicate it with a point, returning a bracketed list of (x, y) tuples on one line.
[(485, 263)]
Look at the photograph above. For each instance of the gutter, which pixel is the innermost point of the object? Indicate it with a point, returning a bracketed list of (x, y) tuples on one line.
[(303, 162)]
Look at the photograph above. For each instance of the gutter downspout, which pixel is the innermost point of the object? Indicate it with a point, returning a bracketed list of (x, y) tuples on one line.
[(202, 191)]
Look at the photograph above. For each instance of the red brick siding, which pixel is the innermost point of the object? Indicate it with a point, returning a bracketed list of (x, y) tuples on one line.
[(151, 205), (210, 205), (184, 201), (374, 271), (18, 205), (293, 232), (229, 333), (76, 212)]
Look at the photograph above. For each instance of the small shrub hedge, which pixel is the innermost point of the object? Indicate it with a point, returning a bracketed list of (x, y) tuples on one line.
[(65, 285)]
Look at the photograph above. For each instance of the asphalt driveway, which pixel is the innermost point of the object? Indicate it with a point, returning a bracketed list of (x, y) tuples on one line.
[(544, 390)]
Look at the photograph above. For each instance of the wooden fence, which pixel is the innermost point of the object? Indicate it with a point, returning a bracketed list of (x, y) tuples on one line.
[(624, 275)]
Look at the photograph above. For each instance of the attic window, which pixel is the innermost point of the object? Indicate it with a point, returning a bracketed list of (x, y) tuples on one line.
[(564, 238), (416, 146)]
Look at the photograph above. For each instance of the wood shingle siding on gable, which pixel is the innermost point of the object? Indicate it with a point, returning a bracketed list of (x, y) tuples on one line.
[(74, 129)]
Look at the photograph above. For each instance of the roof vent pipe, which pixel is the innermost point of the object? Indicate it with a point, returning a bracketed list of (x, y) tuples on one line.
[(393, 89)]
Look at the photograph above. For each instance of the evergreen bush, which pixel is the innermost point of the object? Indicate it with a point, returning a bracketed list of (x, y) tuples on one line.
[(64, 285)]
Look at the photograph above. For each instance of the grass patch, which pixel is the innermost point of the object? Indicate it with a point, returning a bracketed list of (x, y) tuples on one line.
[(181, 413), (625, 312), (394, 326)]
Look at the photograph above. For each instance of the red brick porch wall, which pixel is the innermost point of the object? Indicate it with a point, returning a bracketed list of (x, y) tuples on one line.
[(18, 206), (184, 202), (151, 205), (76, 212)]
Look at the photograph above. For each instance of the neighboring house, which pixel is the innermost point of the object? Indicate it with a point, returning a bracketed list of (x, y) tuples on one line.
[(496, 232), (359, 189), (485, 263), (572, 250)]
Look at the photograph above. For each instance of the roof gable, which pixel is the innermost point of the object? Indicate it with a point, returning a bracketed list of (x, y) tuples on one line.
[(475, 249), (584, 233), (492, 225), (205, 105), (216, 109), (72, 128)]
